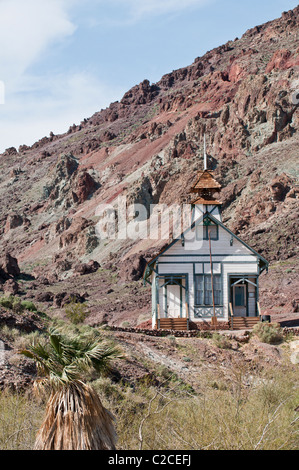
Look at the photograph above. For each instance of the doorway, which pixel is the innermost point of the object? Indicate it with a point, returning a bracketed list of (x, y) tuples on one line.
[(174, 300), (240, 300)]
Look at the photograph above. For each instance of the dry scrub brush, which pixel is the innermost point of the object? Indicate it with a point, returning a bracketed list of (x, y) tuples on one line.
[(235, 412)]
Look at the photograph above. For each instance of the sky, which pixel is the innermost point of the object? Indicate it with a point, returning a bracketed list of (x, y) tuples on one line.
[(63, 60)]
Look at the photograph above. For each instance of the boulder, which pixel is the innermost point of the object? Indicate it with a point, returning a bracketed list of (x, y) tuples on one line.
[(132, 268), (11, 287), (27, 322), (45, 297), (63, 298), (8, 267), (13, 221), (279, 187), (87, 268)]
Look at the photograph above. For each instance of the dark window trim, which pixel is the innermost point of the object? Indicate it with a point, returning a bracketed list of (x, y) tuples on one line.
[(206, 233), (205, 276)]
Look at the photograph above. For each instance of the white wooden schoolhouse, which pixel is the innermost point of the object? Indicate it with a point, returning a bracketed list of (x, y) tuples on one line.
[(208, 274)]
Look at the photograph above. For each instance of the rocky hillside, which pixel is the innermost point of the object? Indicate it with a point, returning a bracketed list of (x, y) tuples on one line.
[(148, 147)]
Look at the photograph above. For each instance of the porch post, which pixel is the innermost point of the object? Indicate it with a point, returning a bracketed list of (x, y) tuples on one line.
[(157, 309), (187, 300)]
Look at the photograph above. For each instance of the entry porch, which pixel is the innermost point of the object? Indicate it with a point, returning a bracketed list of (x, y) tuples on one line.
[(177, 305)]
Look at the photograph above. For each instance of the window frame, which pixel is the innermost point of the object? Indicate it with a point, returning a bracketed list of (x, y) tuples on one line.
[(206, 232), (206, 294)]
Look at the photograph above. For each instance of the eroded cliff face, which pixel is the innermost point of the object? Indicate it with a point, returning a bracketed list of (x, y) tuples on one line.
[(148, 148)]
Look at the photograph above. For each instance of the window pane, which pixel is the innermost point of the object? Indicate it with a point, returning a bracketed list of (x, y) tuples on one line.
[(208, 290), (217, 282), (217, 297), (208, 282), (213, 230), (239, 296), (217, 289), (199, 289), (203, 289)]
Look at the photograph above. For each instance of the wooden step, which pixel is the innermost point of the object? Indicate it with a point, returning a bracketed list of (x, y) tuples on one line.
[(242, 323), (173, 324)]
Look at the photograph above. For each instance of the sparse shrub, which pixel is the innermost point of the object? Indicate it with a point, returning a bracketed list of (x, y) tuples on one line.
[(221, 341), (76, 312), (9, 334), (28, 305), (16, 304), (268, 332), (238, 408), (187, 359), (20, 417), (6, 302), (172, 340)]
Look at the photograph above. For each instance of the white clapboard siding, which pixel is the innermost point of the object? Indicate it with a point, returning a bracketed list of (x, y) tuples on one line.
[(229, 256), (221, 246)]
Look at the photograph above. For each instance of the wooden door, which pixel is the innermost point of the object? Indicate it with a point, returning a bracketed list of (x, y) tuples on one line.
[(173, 307)]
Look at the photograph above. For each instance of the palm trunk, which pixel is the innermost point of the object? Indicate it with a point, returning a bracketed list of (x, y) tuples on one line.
[(76, 420)]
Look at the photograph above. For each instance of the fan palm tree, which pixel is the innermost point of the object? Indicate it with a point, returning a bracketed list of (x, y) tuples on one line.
[(75, 418)]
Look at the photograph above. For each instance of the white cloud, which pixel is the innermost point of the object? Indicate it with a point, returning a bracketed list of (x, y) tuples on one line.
[(34, 105), (27, 28), (45, 104), (158, 7), (132, 11)]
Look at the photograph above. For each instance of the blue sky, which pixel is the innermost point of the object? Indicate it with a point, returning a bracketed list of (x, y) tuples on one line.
[(63, 60)]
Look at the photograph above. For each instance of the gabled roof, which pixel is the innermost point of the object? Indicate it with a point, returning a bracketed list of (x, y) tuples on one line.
[(150, 265)]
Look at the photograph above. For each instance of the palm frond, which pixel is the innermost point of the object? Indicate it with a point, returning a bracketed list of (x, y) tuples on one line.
[(75, 417), (64, 358)]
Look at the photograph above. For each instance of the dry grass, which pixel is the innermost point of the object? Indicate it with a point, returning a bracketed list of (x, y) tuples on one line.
[(243, 413), (235, 407), (20, 418)]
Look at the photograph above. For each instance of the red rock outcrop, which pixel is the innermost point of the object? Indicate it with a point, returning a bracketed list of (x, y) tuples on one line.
[(148, 147), (84, 187), (8, 267)]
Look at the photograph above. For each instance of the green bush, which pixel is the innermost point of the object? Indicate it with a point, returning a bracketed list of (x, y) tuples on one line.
[(76, 312), (268, 332), (16, 304), (28, 305), (6, 302)]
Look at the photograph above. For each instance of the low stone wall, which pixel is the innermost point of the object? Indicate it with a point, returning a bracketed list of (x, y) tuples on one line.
[(290, 331), (204, 333)]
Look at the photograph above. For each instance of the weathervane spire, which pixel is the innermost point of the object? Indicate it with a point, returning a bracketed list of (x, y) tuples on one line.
[(205, 154)]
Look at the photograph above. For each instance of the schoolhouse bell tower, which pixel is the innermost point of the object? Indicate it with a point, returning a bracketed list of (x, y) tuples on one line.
[(205, 188)]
